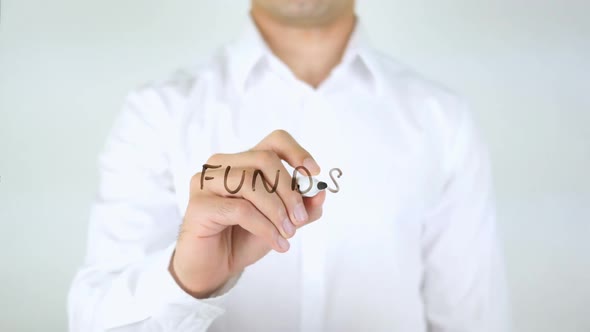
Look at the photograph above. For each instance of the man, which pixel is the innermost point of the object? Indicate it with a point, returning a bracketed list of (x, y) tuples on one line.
[(407, 243)]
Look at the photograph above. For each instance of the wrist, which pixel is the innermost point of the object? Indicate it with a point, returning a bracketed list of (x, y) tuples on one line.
[(199, 290)]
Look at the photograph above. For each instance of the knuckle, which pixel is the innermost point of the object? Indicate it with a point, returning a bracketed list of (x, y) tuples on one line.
[(195, 181), (196, 208), (249, 175), (279, 133), (236, 176), (226, 208), (237, 208), (267, 157), (233, 173), (214, 158)]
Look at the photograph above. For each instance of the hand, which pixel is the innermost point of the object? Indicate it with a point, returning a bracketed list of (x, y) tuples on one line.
[(222, 233)]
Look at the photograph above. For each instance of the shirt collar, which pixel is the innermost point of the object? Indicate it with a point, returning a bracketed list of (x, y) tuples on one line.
[(250, 49)]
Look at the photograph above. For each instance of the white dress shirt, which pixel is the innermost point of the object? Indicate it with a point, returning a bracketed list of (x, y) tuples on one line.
[(407, 244)]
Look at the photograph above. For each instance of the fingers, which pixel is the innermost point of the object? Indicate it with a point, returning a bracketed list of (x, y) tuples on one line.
[(239, 181), (269, 163), (287, 148), (314, 206), (254, 190), (216, 213)]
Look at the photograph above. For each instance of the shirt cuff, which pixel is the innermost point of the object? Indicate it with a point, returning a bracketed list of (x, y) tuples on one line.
[(158, 297)]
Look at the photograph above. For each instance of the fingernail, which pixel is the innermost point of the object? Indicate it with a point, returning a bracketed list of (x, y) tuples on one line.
[(300, 213), (288, 227), (311, 165), (283, 244)]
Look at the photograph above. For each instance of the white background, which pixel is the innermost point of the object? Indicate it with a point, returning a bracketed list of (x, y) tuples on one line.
[(65, 66)]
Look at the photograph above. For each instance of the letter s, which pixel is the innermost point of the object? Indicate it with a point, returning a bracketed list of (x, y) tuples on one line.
[(334, 180)]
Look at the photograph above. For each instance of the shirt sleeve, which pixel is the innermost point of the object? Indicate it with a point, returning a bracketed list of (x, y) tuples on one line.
[(124, 283), (464, 288)]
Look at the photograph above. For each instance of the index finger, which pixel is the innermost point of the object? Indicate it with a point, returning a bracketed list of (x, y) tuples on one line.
[(287, 148)]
